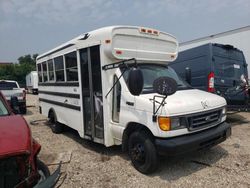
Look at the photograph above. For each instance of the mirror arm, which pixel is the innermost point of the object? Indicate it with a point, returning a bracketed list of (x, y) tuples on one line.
[(155, 111), (115, 83)]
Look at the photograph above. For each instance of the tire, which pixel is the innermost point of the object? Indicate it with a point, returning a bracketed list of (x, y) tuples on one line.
[(55, 126), (42, 170), (142, 152)]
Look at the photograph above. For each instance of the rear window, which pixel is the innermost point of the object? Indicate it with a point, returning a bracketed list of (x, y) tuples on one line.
[(228, 61), (7, 85), (228, 68)]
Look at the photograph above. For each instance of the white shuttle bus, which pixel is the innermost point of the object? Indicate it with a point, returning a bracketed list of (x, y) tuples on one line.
[(113, 85)]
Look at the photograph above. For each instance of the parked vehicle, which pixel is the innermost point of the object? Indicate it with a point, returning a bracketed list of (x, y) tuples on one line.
[(238, 37), (114, 89), (32, 82), (11, 88), (215, 68), (19, 164)]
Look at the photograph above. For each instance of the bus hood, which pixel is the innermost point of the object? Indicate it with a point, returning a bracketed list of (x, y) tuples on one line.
[(183, 102), (15, 136)]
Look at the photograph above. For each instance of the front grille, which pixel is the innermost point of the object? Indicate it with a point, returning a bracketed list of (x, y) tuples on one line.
[(204, 119), (12, 171)]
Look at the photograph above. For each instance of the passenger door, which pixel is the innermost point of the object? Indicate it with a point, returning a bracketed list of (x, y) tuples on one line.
[(92, 93)]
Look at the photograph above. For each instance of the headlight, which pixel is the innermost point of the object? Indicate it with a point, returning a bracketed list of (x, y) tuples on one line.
[(224, 114), (171, 123), (224, 111)]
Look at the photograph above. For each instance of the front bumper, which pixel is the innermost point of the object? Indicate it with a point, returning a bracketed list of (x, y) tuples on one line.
[(47, 183), (239, 108), (51, 180), (22, 103), (191, 142)]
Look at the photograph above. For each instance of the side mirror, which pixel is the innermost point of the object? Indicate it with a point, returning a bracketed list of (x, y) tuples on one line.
[(14, 104), (135, 81), (165, 86), (188, 75)]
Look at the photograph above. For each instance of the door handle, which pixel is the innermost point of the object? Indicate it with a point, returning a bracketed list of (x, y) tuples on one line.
[(66, 100), (129, 103)]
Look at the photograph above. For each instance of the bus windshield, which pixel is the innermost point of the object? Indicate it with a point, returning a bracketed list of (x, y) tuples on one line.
[(153, 71)]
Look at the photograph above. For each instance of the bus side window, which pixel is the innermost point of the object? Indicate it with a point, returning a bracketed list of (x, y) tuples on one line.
[(40, 76), (51, 70), (84, 68), (59, 68), (116, 101), (71, 66), (45, 74)]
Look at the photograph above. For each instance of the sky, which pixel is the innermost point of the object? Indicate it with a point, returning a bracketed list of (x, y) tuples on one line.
[(36, 26)]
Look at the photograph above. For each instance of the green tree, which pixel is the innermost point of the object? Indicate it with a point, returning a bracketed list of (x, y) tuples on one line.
[(18, 72), (28, 59)]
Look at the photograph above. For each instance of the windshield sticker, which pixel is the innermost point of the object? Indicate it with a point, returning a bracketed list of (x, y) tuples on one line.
[(236, 66)]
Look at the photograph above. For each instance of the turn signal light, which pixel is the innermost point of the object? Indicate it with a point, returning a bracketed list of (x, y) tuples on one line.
[(164, 123)]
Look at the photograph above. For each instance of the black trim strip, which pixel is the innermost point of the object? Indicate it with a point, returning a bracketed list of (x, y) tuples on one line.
[(66, 84), (70, 95), (86, 36), (57, 50), (78, 108)]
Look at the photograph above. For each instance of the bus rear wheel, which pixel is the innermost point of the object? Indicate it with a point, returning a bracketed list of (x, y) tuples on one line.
[(142, 152), (55, 126)]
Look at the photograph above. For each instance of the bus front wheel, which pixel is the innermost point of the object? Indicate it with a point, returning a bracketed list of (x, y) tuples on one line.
[(142, 152)]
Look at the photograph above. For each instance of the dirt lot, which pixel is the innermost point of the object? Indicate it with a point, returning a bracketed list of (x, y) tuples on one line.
[(91, 165)]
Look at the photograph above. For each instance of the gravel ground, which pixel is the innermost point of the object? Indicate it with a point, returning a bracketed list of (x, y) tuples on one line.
[(87, 164)]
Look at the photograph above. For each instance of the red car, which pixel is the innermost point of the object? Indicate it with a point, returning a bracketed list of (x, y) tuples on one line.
[(19, 165)]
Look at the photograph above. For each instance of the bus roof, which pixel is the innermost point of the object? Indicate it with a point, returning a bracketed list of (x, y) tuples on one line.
[(149, 43)]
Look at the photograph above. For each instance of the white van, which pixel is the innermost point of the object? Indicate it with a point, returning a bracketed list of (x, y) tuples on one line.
[(113, 85), (32, 82)]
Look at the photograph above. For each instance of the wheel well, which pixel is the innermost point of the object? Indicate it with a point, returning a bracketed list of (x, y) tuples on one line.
[(52, 113), (132, 127)]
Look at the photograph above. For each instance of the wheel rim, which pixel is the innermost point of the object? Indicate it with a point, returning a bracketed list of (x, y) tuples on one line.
[(138, 153)]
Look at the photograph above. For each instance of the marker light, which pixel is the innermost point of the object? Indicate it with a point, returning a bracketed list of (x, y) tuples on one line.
[(107, 41), (149, 31), (156, 32), (119, 52), (164, 123)]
